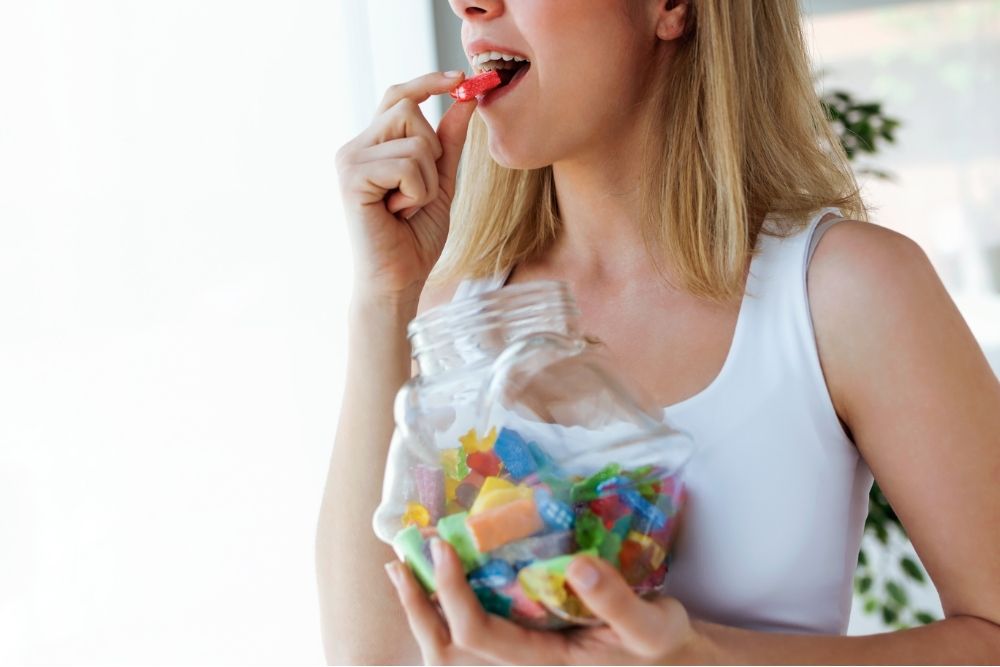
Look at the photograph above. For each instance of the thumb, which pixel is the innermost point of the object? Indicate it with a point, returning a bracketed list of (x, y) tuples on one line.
[(451, 133), (604, 591)]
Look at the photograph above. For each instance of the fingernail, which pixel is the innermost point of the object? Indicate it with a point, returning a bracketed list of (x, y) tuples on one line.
[(437, 553), (583, 575), (454, 73), (392, 570)]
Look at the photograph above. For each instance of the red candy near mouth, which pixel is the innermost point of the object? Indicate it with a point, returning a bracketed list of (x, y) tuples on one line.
[(472, 88)]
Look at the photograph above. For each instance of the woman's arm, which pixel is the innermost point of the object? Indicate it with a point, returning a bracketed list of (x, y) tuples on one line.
[(356, 601), (909, 379), (397, 180), (923, 405), (362, 619)]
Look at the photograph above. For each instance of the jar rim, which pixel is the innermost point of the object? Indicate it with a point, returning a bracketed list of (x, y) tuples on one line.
[(484, 301)]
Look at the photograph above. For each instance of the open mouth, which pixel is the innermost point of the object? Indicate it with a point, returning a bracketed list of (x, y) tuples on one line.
[(506, 65), (507, 74)]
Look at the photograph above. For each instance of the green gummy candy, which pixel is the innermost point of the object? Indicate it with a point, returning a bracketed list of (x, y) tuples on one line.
[(590, 531), (454, 463), (410, 543), (587, 489), (494, 602), (622, 526), (610, 548), (559, 564), (639, 474), (647, 492), (453, 530)]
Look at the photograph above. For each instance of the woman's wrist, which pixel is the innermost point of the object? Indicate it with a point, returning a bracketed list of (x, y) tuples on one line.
[(703, 649), (385, 308)]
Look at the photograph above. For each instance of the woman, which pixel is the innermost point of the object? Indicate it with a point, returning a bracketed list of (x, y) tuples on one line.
[(670, 161)]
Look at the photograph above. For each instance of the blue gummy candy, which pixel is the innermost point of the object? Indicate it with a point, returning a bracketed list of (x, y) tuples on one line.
[(494, 574), (649, 515), (617, 484), (515, 454), (556, 515)]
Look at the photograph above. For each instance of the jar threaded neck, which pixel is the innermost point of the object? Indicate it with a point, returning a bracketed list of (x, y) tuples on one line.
[(478, 328)]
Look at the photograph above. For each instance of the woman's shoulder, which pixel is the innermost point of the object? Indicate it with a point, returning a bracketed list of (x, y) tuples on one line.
[(863, 276), (874, 296), (857, 263)]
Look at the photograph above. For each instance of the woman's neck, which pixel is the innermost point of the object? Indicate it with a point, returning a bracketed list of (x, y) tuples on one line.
[(600, 209)]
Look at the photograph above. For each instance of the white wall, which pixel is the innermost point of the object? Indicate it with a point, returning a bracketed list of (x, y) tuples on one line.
[(173, 281)]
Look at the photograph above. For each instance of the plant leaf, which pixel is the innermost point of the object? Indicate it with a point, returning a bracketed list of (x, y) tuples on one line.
[(912, 569), (896, 592), (889, 615)]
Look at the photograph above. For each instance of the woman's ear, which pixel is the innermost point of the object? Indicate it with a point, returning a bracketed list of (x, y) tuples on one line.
[(671, 16)]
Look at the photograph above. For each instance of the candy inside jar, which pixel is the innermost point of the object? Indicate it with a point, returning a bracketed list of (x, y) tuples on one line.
[(516, 519), (523, 449)]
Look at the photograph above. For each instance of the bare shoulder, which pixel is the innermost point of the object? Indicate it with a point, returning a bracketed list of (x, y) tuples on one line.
[(869, 287), (857, 259)]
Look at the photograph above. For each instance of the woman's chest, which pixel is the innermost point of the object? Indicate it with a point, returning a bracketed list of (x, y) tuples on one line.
[(672, 348)]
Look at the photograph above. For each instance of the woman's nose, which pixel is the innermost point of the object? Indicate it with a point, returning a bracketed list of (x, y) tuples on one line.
[(477, 10)]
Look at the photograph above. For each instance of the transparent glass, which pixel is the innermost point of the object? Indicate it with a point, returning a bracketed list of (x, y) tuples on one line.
[(520, 445)]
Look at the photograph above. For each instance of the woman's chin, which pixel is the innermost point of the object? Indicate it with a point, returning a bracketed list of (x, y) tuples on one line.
[(516, 157)]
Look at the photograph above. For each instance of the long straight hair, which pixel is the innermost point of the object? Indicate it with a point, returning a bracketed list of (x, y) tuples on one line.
[(737, 132)]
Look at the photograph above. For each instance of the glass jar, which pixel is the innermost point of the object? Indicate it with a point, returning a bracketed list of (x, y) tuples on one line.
[(520, 445)]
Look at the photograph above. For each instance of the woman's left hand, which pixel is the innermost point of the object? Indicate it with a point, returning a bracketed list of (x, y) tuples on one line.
[(637, 631)]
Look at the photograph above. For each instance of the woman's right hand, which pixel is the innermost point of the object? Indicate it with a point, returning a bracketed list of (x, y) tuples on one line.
[(397, 180)]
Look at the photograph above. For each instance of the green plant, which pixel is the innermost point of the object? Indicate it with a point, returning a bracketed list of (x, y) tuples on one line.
[(886, 574), (861, 126)]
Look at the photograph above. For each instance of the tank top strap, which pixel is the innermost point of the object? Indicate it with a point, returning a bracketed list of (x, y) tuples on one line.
[(778, 339), (781, 260)]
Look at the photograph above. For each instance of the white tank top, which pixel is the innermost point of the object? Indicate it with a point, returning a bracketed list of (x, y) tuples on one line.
[(778, 493)]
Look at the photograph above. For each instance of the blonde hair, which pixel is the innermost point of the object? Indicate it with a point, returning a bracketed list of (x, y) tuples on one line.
[(738, 132)]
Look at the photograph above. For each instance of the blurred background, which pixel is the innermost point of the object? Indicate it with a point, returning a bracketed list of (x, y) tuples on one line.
[(174, 275)]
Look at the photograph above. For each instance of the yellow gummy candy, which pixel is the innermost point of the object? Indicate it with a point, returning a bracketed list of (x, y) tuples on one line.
[(416, 515), (450, 486), (472, 443), (657, 554), (543, 586), (490, 485), (496, 495)]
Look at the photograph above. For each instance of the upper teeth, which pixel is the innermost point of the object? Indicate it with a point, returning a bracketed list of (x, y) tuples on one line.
[(481, 59)]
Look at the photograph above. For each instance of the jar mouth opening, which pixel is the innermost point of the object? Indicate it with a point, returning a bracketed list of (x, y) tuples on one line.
[(522, 299)]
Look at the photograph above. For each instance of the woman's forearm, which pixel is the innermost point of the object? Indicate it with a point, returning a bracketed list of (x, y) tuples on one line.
[(358, 608), (955, 640)]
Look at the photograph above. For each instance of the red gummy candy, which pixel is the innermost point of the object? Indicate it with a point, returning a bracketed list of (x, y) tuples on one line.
[(486, 464), (470, 89), (632, 563), (609, 508)]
